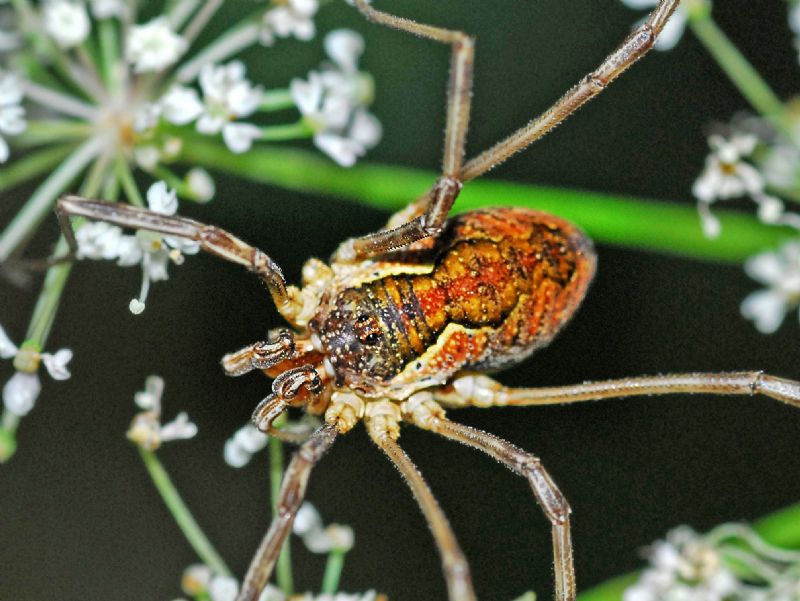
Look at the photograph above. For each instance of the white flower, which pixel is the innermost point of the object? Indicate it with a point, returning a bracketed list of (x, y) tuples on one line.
[(23, 388), (684, 567), (181, 105), (292, 18), (228, 95), (780, 272), (726, 175), (146, 429), (332, 101), (673, 30), (153, 46), (153, 251), (200, 184), (67, 22), (12, 115), (240, 448), (319, 539)]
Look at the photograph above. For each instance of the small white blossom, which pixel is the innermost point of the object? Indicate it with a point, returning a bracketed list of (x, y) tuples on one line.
[(684, 567), (146, 429), (153, 46), (200, 184), (228, 95), (780, 272), (181, 105), (23, 388), (673, 30), (332, 101), (240, 448), (292, 18), (318, 538), (12, 115), (67, 22), (726, 175), (153, 251)]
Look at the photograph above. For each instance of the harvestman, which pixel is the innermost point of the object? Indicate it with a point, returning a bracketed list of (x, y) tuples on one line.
[(365, 343)]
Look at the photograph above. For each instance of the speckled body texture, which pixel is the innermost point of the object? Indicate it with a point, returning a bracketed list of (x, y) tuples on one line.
[(498, 284)]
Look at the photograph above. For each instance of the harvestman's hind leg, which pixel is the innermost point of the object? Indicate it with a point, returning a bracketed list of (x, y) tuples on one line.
[(382, 421), (428, 213), (483, 391), (430, 416), (292, 492)]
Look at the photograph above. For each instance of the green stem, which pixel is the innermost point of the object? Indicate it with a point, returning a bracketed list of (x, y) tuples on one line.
[(44, 313), (738, 69), (630, 222), (237, 38), (109, 53), (125, 176), (40, 203), (284, 567), (781, 529), (276, 100), (47, 132), (32, 165), (180, 512), (291, 131), (333, 571)]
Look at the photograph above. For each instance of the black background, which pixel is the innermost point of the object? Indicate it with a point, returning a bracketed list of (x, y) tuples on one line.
[(79, 518)]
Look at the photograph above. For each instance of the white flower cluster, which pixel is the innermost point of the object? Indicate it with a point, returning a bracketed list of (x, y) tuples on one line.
[(780, 272), (200, 582), (227, 96), (153, 251), (333, 101), (12, 114), (730, 563), (249, 440), (673, 31), (683, 567), (146, 429), (319, 538), (290, 18), (23, 388)]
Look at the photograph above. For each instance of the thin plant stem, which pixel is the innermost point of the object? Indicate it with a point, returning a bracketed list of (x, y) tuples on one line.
[(239, 37), (33, 164), (283, 569), (44, 312), (201, 19), (276, 100), (40, 203), (738, 69), (125, 176), (109, 54), (50, 131), (291, 131), (333, 571), (181, 514)]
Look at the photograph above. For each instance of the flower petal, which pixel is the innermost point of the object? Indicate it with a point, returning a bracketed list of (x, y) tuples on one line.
[(20, 393)]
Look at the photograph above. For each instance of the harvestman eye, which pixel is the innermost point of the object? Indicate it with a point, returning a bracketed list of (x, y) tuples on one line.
[(446, 323)]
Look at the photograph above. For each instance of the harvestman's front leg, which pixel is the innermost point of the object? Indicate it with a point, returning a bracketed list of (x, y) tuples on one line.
[(430, 416), (211, 239), (382, 421), (292, 492)]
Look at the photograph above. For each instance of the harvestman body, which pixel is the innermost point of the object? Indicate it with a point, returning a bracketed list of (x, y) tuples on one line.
[(389, 336)]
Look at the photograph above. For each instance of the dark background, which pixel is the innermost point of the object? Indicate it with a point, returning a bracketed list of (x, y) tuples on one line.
[(79, 518)]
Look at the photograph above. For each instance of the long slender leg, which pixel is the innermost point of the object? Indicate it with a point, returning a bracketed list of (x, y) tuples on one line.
[(292, 492), (482, 391), (382, 425), (636, 45), (459, 96), (430, 416), (438, 201), (211, 239)]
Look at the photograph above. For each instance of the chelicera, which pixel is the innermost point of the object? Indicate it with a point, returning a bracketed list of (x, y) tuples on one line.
[(403, 323)]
